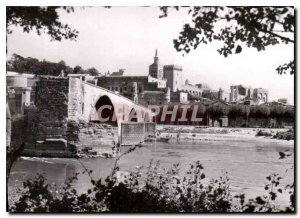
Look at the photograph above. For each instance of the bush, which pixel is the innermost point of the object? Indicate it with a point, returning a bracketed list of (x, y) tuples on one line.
[(263, 133), (154, 191), (287, 135), (259, 111), (217, 110), (238, 111)]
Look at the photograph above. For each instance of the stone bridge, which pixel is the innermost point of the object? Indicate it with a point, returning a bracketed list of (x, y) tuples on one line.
[(69, 110), (90, 103)]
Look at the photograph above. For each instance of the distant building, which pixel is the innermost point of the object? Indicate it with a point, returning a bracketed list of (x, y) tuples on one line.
[(146, 86), (162, 85), (118, 73), (283, 100), (210, 94), (242, 94), (156, 69), (223, 95), (203, 86), (83, 76)]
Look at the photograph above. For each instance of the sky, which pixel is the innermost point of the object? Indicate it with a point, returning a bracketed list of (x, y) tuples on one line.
[(126, 37)]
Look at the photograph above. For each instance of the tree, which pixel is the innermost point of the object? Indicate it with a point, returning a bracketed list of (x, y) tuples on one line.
[(277, 111), (63, 67), (217, 110), (93, 71), (256, 27), (238, 111), (78, 70), (34, 66), (23, 65), (259, 111), (40, 19), (290, 112)]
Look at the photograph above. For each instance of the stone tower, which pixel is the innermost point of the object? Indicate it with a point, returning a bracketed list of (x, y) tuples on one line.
[(173, 74), (155, 69)]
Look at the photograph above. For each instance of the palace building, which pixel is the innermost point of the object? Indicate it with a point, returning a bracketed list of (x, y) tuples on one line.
[(163, 84)]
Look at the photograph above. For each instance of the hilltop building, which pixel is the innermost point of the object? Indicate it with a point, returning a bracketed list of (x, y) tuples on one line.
[(248, 95), (283, 101), (163, 84)]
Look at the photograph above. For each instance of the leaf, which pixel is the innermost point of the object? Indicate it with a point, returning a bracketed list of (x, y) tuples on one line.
[(273, 196), (260, 201), (238, 49), (281, 154)]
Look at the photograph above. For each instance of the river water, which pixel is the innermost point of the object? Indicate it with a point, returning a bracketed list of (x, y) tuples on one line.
[(247, 163)]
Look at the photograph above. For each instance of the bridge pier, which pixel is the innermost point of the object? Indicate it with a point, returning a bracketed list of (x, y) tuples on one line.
[(66, 106)]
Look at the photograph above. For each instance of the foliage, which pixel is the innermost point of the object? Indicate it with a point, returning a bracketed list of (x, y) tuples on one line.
[(237, 110), (235, 27), (78, 70), (290, 112), (285, 135), (40, 19), (149, 190), (277, 111), (34, 66), (259, 111), (93, 71), (263, 133), (217, 110)]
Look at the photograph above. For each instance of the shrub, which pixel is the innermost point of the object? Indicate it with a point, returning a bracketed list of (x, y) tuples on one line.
[(285, 135), (263, 133), (155, 190), (259, 111)]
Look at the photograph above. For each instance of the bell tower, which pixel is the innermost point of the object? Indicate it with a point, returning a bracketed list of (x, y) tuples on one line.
[(155, 69)]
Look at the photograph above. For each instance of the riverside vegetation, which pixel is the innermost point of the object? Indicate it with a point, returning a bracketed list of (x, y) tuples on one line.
[(284, 135), (152, 190)]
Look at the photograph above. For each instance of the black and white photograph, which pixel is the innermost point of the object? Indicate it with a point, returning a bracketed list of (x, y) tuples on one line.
[(150, 109)]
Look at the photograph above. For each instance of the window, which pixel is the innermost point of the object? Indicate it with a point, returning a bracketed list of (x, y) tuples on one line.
[(125, 88), (120, 89), (140, 89), (116, 88)]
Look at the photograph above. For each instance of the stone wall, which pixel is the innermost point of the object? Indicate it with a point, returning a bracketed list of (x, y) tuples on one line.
[(132, 133), (52, 107), (75, 95), (18, 132), (60, 121), (101, 138), (150, 128)]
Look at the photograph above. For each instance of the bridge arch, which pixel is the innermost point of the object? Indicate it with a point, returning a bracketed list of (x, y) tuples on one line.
[(104, 111)]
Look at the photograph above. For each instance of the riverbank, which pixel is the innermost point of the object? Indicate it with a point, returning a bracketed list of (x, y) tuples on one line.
[(246, 162), (195, 133)]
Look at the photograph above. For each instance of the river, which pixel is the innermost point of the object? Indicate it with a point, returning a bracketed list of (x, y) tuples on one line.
[(247, 161)]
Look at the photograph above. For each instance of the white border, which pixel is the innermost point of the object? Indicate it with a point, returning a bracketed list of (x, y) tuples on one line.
[(5, 3)]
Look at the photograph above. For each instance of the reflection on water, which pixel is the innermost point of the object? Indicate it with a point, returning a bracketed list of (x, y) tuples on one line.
[(247, 163)]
